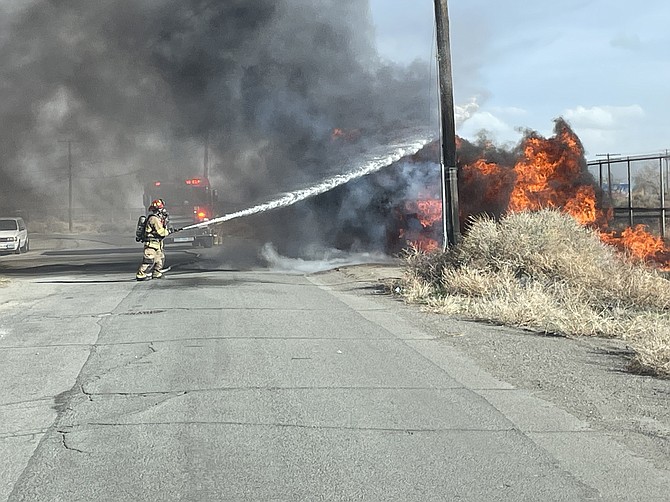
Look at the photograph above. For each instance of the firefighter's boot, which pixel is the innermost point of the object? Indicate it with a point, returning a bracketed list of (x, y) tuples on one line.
[(141, 276)]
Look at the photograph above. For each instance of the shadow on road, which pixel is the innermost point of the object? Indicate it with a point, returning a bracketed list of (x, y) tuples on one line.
[(79, 265)]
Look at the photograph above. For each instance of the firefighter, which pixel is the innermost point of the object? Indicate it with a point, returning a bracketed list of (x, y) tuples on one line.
[(155, 230)]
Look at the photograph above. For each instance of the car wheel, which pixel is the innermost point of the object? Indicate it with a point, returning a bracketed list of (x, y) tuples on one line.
[(18, 249), (25, 247)]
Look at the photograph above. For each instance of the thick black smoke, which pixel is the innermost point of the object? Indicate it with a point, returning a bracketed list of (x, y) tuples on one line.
[(140, 84)]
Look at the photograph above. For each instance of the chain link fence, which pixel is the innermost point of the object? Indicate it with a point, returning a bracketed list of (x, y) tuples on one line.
[(637, 188)]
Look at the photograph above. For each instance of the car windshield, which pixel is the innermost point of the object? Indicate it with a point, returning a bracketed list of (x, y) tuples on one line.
[(8, 225)]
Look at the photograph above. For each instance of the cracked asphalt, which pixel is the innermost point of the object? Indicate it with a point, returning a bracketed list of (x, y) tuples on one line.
[(247, 384)]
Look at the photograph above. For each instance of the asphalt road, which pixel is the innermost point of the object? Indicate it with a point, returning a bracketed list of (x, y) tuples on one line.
[(243, 383)]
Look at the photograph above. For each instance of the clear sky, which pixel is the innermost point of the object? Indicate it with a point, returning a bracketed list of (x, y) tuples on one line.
[(603, 65)]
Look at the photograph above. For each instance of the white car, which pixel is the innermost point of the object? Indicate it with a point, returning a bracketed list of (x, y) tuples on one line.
[(13, 236)]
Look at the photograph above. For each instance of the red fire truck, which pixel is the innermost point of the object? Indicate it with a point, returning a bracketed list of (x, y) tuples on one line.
[(188, 201)]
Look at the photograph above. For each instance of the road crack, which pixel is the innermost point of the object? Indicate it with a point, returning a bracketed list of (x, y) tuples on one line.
[(64, 442)]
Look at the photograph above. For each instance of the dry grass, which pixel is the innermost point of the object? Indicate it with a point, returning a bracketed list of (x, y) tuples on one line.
[(545, 272)]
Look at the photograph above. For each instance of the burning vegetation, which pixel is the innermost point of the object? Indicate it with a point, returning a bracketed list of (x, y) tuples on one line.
[(399, 206), (539, 251), (539, 173)]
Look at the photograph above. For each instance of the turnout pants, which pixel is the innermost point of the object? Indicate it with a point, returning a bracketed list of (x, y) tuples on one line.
[(152, 261)]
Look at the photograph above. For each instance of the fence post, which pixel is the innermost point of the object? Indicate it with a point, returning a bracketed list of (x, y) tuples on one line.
[(630, 195), (660, 171)]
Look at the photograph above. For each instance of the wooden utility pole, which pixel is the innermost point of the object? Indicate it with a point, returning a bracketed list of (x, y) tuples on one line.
[(69, 164), (450, 218)]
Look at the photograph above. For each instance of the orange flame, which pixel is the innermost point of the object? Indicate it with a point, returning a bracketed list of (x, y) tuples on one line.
[(427, 211), (426, 244), (546, 173), (485, 187), (640, 245), (550, 173), (348, 135)]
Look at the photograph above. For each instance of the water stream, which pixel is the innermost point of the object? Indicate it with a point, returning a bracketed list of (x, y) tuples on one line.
[(392, 153)]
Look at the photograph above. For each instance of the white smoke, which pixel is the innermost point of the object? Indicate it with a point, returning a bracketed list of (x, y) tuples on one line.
[(329, 259), (463, 112)]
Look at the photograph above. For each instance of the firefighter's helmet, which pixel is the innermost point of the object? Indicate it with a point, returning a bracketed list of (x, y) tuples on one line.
[(157, 205)]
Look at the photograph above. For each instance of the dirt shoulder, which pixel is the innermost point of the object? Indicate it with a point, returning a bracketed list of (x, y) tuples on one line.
[(586, 377)]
